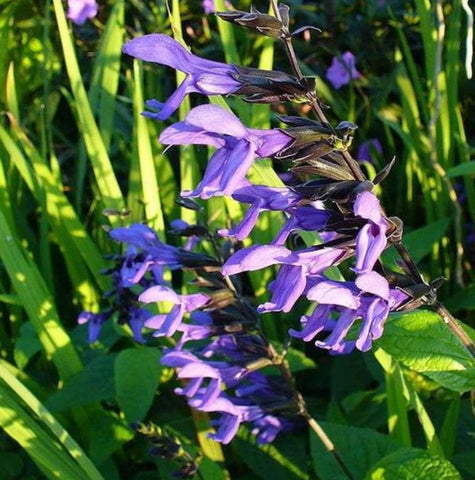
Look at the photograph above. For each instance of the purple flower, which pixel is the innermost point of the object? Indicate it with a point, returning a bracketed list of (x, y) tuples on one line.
[(94, 322), (168, 324), (211, 384), (157, 253), (283, 199), (342, 70), (80, 10), (208, 6), (237, 147), (341, 304), (203, 76), (261, 198), (367, 150), (371, 239), (291, 280)]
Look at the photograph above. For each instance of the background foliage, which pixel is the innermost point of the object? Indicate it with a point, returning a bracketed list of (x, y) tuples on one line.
[(76, 157)]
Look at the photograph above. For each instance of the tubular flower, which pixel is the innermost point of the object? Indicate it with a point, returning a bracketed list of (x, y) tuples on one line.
[(219, 381), (296, 269), (203, 76), (262, 198), (168, 324), (371, 239), (341, 304), (158, 254), (237, 147)]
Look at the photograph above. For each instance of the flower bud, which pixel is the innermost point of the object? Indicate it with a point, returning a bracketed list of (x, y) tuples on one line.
[(261, 22)]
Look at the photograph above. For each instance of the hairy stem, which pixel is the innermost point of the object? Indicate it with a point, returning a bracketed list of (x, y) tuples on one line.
[(311, 96), (311, 422), (456, 329), (359, 175)]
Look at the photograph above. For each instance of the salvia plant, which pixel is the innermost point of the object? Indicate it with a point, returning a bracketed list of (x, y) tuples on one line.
[(220, 308), (228, 366)]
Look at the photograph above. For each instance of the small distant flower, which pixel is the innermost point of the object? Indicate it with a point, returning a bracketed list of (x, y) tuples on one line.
[(94, 323), (203, 76), (237, 147), (209, 6), (367, 149), (342, 70), (80, 10)]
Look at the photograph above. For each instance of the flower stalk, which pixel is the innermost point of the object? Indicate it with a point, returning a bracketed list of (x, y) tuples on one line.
[(431, 300)]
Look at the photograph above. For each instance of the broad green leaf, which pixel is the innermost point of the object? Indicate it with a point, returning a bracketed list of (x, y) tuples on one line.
[(412, 463), (137, 375), (359, 449), (109, 433), (420, 242), (93, 384), (421, 341)]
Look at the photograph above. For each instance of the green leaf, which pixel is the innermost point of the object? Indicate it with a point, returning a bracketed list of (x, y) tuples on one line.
[(405, 391), (26, 345), (48, 421), (37, 302), (421, 341), (279, 462), (410, 464), (109, 433), (137, 375), (44, 450), (298, 361), (93, 384), (467, 168), (419, 242), (359, 449), (107, 183)]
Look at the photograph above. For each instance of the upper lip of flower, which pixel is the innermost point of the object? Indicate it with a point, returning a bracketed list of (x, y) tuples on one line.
[(203, 76)]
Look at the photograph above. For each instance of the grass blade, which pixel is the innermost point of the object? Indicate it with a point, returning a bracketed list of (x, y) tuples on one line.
[(109, 189), (51, 423), (37, 302)]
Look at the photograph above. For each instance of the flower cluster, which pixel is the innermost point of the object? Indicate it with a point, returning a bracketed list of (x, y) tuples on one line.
[(141, 267), (220, 350), (339, 204)]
